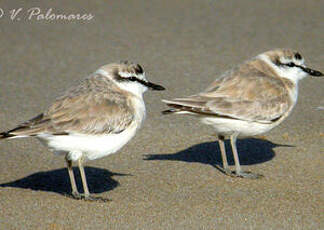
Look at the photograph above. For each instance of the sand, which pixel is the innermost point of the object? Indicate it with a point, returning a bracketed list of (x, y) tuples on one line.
[(165, 178)]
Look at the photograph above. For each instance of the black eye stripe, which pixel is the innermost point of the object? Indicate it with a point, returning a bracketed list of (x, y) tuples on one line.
[(131, 78), (303, 68), (290, 64), (136, 79), (118, 77)]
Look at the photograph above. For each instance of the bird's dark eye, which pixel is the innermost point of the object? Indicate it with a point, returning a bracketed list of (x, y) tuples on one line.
[(277, 62), (132, 78), (290, 64), (298, 56)]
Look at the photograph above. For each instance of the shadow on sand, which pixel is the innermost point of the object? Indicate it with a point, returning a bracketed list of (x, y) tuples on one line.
[(99, 181), (251, 151)]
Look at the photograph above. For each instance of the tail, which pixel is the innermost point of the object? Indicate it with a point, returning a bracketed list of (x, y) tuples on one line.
[(19, 131), (174, 108), (5, 135), (11, 133), (179, 109), (194, 105), (26, 129), (169, 111)]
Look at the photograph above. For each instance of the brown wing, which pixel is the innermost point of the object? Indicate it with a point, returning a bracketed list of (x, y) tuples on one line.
[(251, 97), (82, 110)]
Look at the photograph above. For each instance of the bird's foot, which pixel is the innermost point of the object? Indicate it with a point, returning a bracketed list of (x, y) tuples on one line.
[(241, 174), (76, 195), (247, 174), (87, 197), (95, 198), (227, 171)]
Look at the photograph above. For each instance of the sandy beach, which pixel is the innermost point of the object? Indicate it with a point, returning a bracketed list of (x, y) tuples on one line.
[(166, 177)]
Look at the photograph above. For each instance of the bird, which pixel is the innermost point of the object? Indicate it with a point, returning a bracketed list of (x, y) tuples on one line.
[(249, 99), (94, 118)]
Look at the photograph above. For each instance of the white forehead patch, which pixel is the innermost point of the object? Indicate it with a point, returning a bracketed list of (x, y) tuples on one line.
[(285, 60), (128, 74), (102, 72)]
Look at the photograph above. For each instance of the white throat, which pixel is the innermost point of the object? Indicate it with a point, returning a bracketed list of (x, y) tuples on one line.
[(133, 87)]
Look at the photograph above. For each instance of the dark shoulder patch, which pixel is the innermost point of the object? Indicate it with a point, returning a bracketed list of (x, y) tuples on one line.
[(117, 76), (139, 69)]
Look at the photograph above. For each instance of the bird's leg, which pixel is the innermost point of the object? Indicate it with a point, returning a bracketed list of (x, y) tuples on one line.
[(75, 192), (86, 195), (84, 179), (225, 169), (235, 154), (238, 170)]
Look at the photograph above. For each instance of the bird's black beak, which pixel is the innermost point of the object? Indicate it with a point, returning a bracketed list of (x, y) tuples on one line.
[(153, 86), (148, 84), (312, 72)]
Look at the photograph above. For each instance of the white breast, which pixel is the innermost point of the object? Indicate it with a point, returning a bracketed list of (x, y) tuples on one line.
[(226, 127), (140, 110)]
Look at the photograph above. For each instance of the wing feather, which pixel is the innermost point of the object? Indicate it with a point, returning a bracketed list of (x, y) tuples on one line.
[(82, 110), (250, 96)]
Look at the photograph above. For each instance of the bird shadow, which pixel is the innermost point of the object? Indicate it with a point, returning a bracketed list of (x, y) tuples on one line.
[(251, 151), (99, 181)]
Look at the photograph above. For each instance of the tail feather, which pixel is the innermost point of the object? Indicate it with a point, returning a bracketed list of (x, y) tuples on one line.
[(185, 108), (10, 133), (28, 128), (20, 131), (176, 108), (190, 105), (5, 135), (169, 111)]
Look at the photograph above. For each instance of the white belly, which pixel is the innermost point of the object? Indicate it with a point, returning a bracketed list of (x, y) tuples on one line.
[(89, 146), (226, 127)]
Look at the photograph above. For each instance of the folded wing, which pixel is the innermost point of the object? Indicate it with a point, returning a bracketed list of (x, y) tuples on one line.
[(83, 112), (250, 97)]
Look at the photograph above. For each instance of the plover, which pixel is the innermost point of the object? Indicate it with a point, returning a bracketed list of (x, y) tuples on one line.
[(248, 100), (93, 119)]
